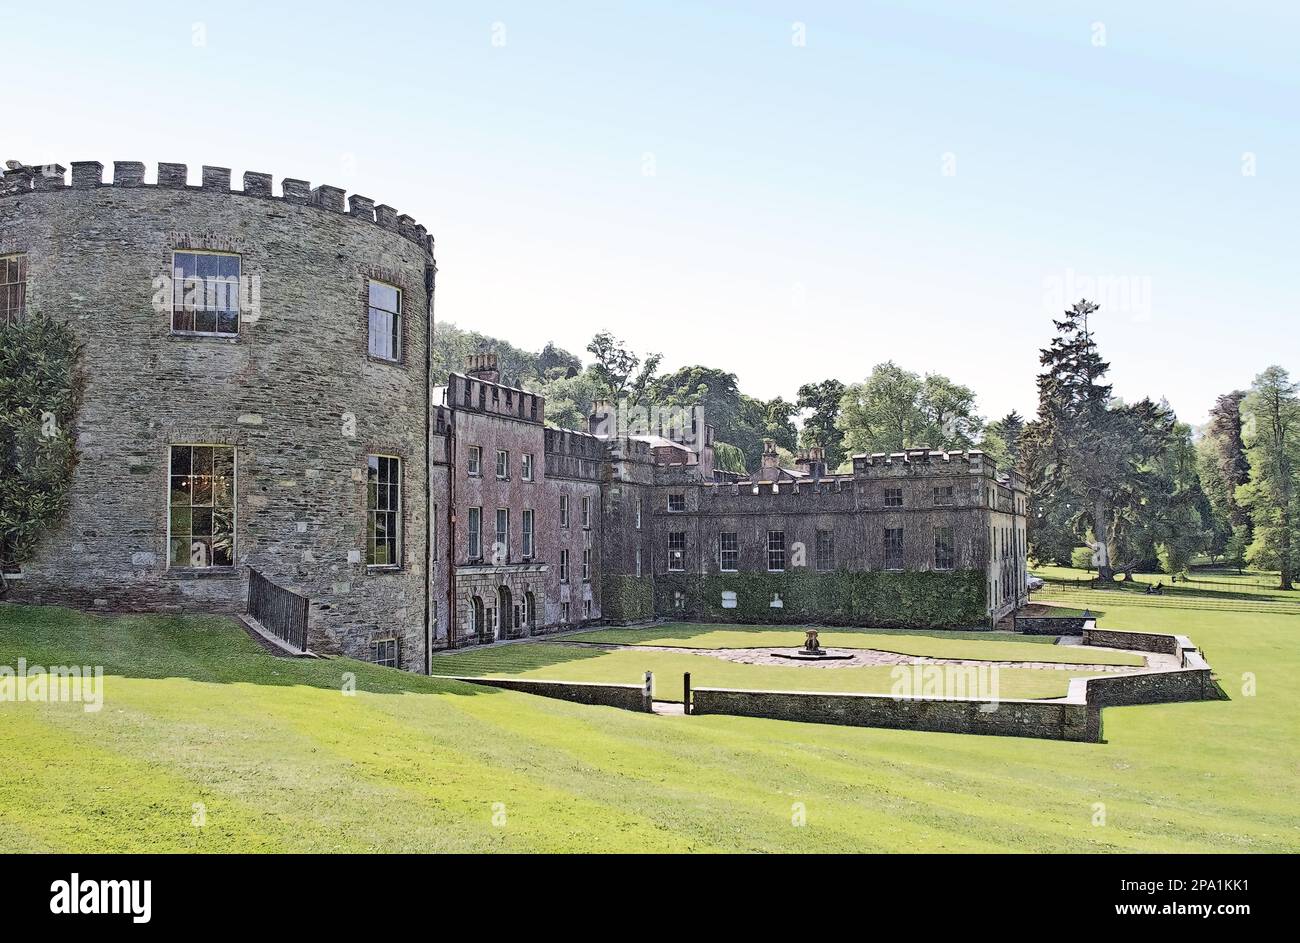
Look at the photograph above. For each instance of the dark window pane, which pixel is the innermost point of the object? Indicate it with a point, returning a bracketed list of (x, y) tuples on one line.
[(202, 460), (180, 490), (209, 266), (201, 522), (180, 521), (202, 493), (222, 553), (223, 481)]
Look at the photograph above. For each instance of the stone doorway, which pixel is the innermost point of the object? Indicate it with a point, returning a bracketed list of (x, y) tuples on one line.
[(505, 612)]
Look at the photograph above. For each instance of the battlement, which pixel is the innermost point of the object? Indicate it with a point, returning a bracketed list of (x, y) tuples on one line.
[(573, 454), (924, 461), (20, 178), (471, 392)]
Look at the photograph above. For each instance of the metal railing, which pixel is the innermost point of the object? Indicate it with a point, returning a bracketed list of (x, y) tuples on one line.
[(281, 612)]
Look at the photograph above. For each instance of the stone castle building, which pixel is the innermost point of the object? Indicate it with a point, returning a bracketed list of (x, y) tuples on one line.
[(260, 396)]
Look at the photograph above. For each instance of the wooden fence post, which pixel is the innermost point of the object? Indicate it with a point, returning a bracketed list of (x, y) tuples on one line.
[(686, 693), (648, 694)]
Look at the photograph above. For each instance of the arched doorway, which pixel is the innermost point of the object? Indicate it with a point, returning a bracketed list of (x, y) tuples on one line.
[(505, 612), (476, 626), (530, 613)]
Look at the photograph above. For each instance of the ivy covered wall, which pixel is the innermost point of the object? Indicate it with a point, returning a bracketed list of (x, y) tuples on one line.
[(40, 394), (840, 597), (627, 598)]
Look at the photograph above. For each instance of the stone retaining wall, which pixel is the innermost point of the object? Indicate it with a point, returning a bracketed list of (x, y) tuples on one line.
[(1134, 641), (1052, 720), (628, 697), (1052, 625), (1192, 682), (1076, 717)]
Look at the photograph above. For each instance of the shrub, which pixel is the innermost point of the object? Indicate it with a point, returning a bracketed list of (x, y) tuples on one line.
[(40, 392), (839, 597)]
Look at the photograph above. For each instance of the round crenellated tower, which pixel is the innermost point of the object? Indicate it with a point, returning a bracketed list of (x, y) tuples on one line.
[(257, 394)]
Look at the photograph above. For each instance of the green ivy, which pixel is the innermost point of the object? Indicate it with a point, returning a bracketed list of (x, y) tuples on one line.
[(839, 597), (40, 392), (627, 598)]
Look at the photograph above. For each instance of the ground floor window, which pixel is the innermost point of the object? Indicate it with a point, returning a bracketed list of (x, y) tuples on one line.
[(386, 652), (564, 611), (201, 512), (944, 548), (677, 551), (893, 548), (477, 616), (586, 608), (728, 552), (775, 551), (825, 550)]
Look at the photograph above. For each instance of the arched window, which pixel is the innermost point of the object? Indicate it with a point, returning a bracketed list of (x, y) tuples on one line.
[(476, 627), (530, 612)]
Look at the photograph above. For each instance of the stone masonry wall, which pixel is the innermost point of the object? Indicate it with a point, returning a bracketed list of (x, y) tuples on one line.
[(628, 697), (1137, 641), (296, 394), (1052, 720)]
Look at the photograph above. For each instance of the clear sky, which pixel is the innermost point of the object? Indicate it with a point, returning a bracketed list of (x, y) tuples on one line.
[(789, 190)]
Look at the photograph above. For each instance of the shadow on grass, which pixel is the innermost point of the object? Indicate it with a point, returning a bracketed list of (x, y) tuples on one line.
[(211, 649), (510, 659)]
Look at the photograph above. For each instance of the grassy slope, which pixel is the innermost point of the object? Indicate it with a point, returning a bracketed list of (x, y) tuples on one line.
[(195, 713), (559, 662), (988, 646)]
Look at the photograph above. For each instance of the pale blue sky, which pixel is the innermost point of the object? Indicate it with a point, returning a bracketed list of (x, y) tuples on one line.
[(799, 222)]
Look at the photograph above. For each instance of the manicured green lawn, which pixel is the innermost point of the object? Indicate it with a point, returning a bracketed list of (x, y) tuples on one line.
[(560, 662), (982, 646), (281, 760)]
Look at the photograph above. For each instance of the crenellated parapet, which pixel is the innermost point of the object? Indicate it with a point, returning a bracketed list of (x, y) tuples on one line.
[(923, 461), (20, 179)]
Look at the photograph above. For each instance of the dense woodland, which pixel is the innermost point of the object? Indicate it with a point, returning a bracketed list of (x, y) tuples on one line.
[(1114, 486)]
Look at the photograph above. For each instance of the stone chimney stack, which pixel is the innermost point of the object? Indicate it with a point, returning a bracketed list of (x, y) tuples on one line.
[(770, 467), (603, 420), (483, 367), (812, 460)]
